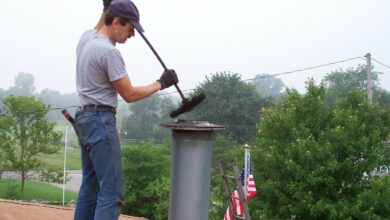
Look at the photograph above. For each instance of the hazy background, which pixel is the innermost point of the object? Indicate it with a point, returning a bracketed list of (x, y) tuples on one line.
[(199, 37)]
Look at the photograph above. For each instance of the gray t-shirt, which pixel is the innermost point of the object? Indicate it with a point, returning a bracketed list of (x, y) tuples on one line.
[(98, 63)]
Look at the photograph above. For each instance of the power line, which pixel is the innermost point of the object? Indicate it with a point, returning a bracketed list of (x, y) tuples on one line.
[(260, 77), (307, 68), (33, 111), (380, 63)]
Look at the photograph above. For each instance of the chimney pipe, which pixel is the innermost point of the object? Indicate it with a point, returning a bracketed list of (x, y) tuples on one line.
[(189, 193)]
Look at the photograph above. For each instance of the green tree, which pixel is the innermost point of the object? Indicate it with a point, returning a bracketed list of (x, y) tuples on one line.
[(5, 138), (341, 82), (375, 201), (146, 116), (230, 102), (146, 167), (268, 86), (26, 133), (312, 156), (24, 85), (382, 97)]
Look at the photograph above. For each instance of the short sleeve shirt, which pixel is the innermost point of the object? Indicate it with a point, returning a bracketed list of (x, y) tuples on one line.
[(98, 64)]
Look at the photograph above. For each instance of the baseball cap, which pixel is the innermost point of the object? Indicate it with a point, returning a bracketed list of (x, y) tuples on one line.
[(126, 9)]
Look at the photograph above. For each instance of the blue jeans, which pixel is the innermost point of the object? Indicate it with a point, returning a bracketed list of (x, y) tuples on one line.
[(101, 193)]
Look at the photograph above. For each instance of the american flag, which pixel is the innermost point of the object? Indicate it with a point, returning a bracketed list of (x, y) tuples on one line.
[(250, 191)]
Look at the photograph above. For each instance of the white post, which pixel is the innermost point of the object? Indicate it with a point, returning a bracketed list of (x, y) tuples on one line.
[(63, 182), (246, 168)]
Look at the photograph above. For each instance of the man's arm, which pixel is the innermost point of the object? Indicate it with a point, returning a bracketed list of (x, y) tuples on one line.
[(132, 94)]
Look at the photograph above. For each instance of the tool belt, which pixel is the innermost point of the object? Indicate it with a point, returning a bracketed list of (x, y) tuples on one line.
[(98, 108)]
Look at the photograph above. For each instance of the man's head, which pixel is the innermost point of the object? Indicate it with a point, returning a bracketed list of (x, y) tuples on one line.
[(126, 10)]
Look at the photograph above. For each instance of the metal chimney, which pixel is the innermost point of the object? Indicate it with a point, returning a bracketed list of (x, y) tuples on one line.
[(190, 169)]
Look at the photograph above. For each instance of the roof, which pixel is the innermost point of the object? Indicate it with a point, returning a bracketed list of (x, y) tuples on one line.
[(16, 210)]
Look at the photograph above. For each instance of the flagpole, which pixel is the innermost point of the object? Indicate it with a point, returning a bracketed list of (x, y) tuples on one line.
[(63, 182), (246, 168)]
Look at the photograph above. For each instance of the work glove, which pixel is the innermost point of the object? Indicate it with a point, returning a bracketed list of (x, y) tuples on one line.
[(168, 78), (106, 3)]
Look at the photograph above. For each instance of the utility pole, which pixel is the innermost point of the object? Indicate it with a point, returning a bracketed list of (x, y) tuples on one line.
[(369, 83)]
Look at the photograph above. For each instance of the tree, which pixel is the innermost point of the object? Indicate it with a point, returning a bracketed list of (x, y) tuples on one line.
[(375, 201), (145, 118), (146, 167), (24, 85), (5, 149), (340, 82), (382, 97), (268, 86), (26, 133), (312, 156), (230, 102)]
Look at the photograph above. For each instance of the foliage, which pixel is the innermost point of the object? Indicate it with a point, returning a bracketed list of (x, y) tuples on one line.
[(24, 85), (340, 83), (382, 97), (146, 168), (5, 148), (26, 133), (230, 102), (54, 176), (145, 118), (268, 86), (375, 201), (11, 192), (159, 189), (312, 156)]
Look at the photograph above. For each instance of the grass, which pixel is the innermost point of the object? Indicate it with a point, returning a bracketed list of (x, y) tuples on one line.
[(10, 189), (56, 161)]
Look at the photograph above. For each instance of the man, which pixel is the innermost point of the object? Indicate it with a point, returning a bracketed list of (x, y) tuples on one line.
[(100, 76)]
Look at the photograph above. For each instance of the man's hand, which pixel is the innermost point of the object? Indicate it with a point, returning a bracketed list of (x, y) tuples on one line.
[(168, 78), (106, 3)]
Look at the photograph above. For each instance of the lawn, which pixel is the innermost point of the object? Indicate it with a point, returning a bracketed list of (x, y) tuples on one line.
[(33, 190), (56, 161)]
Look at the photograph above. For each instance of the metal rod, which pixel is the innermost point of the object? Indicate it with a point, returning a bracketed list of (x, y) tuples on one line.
[(162, 63)]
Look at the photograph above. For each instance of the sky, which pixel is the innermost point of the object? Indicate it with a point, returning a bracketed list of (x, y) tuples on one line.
[(198, 38)]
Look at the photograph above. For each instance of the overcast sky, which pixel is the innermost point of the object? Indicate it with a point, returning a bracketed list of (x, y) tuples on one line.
[(200, 37)]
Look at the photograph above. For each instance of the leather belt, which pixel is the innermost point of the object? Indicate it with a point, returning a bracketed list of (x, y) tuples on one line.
[(99, 108)]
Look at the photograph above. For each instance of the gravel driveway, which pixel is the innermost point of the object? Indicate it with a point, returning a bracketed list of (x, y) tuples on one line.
[(74, 182)]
